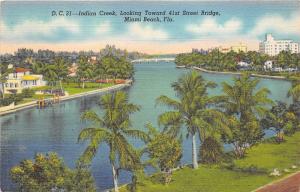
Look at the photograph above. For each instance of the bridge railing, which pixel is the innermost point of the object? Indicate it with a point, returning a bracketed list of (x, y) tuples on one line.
[(152, 60)]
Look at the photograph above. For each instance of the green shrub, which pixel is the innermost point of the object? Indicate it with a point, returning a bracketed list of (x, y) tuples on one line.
[(250, 169), (166, 150), (211, 151), (27, 93), (49, 173), (6, 101), (11, 98), (289, 129)]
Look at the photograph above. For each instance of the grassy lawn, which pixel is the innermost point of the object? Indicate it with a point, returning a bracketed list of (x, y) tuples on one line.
[(273, 155), (74, 88), (207, 179), (71, 88), (267, 156)]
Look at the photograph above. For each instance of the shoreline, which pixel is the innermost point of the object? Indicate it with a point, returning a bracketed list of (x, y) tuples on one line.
[(239, 73), (66, 98), (235, 73)]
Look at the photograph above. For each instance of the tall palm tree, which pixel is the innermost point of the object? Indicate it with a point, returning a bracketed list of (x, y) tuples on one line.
[(192, 110), (244, 97), (50, 73), (112, 128), (61, 70), (85, 70), (37, 67), (244, 104)]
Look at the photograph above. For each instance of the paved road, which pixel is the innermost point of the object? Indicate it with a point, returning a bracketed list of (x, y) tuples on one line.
[(290, 184)]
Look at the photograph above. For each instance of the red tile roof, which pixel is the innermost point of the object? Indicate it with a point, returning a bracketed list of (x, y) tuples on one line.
[(21, 70)]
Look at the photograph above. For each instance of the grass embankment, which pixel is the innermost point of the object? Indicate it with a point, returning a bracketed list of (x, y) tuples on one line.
[(71, 88), (266, 156), (270, 155), (74, 88)]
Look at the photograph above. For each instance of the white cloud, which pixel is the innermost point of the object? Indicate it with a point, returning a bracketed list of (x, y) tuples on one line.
[(104, 27), (146, 32), (210, 26), (32, 28), (277, 23)]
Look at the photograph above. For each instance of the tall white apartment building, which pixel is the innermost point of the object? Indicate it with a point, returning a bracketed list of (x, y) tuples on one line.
[(273, 47)]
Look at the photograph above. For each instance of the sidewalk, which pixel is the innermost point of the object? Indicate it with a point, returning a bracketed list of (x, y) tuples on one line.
[(289, 184)]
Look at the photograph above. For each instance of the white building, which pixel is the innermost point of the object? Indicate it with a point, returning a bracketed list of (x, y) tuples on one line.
[(268, 65), (273, 47), (277, 69), (20, 79), (243, 64)]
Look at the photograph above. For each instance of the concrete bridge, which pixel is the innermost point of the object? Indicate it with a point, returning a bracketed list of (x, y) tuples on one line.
[(170, 59)]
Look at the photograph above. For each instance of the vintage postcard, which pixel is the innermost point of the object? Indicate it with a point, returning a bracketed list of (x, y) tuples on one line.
[(150, 96)]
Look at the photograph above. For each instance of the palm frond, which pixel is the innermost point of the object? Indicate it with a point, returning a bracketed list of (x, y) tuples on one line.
[(294, 92), (92, 116), (169, 118), (165, 100), (261, 96), (151, 129), (137, 134), (96, 137), (92, 133), (128, 156)]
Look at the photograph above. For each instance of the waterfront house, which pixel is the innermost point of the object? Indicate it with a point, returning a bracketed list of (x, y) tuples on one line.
[(268, 65), (291, 69), (22, 78), (277, 69), (242, 65), (92, 60)]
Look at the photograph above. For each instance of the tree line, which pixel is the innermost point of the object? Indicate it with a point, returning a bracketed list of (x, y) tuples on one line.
[(24, 57), (218, 61), (239, 116)]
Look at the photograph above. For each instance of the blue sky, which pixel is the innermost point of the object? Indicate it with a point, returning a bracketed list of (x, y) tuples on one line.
[(30, 24)]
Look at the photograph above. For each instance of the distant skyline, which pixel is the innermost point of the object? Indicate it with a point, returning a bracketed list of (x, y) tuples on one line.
[(30, 25)]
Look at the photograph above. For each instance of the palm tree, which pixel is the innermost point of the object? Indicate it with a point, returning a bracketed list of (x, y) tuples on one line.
[(61, 70), (191, 110), (85, 70), (113, 129), (37, 67), (50, 73), (294, 91), (244, 104)]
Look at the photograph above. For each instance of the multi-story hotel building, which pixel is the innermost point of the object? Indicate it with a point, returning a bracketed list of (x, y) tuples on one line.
[(239, 48), (273, 47)]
